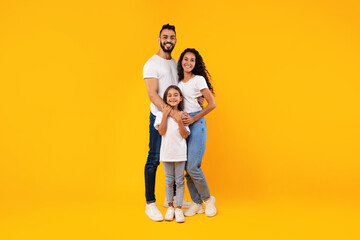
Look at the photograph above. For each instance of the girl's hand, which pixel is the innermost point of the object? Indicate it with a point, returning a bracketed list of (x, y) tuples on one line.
[(187, 119), (166, 110)]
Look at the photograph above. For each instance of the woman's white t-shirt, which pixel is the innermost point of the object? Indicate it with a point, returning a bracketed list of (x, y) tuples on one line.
[(173, 145), (191, 90)]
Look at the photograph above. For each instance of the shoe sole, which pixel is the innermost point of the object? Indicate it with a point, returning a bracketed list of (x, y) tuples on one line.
[(210, 215), (169, 219), (154, 219)]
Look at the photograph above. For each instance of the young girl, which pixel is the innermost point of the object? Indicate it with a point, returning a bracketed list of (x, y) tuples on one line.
[(173, 149), (195, 82)]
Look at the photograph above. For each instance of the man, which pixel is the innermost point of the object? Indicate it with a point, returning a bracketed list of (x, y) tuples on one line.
[(159, 72)]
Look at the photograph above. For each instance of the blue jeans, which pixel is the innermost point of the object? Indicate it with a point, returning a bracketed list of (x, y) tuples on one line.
[(174, 173), (196, 141), (152, 161)]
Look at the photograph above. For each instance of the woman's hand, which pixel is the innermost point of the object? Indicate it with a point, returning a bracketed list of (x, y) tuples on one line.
[(166, 110), (187, 119)]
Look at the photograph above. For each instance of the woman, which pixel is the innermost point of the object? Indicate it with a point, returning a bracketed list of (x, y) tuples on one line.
[(194, 82)]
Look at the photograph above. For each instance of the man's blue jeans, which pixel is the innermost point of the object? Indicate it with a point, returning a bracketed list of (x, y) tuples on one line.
[(196, 141), (152, 161)]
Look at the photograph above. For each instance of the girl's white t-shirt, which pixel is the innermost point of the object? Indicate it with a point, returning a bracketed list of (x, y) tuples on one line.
[(173, 145), (191, 90)]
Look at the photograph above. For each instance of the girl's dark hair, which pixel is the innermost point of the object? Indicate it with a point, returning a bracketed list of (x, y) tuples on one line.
[(199, 68), (181, 104)]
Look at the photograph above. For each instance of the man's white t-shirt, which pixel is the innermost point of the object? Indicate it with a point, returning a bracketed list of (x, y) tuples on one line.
[(191, 90), (173, 145), (166, 73)]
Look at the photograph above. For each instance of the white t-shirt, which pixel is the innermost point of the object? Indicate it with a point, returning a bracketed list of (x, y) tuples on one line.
[(166, 73), (191, 90), (173, 145)]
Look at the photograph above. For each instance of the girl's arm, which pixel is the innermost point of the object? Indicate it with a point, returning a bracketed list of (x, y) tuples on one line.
[(163, 125), (187, 119), (183, 131)]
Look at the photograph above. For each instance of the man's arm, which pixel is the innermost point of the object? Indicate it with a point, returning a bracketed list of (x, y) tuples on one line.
[(152, 89)]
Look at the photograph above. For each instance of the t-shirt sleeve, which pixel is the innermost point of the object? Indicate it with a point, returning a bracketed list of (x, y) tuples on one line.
[(150, 70), (158, 120), (201, 83), (187, 128)]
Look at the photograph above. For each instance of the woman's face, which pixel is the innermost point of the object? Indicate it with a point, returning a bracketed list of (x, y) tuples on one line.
[(188, 62), (173, 97)]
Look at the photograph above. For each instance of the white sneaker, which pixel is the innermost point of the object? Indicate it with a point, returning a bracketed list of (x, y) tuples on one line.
[(153, 212), (185, 204), (194, 209), (166, 204), (169, 216), (179, 215), (210, 207)]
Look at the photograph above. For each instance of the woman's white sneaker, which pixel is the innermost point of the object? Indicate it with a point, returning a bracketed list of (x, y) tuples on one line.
[(186, 204), (153, 212), (169, 216), (179, 215), (194, 209), (210, 209)]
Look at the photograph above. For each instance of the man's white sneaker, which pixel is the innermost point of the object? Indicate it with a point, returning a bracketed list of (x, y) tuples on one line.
[(194, 209), (179, 215), (185, 204), (153, 212), (169, 216), (210, 209)]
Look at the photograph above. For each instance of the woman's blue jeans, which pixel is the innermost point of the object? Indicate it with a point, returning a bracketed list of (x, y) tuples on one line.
[(196, 142)]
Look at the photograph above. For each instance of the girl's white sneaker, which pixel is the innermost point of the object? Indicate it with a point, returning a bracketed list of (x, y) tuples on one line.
[(179, 215), (169, 216)]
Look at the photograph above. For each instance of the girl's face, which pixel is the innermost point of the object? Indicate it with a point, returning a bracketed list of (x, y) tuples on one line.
[(188, 62), (173, 98)]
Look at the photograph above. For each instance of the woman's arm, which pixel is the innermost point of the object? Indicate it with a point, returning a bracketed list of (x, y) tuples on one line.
[(187, 119)]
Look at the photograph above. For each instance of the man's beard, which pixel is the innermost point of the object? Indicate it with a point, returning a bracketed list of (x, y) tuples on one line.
[(166, 50)]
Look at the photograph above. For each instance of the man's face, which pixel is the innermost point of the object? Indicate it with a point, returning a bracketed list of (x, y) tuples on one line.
[(167, 40)]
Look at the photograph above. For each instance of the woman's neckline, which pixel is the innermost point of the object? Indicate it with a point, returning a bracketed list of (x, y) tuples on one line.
[(189, 79)]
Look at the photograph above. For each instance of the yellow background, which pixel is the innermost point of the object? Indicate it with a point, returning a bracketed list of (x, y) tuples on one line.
[(282, 155)]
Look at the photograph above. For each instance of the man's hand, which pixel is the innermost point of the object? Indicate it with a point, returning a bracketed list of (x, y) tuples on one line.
[(176, 115), (166, 110)]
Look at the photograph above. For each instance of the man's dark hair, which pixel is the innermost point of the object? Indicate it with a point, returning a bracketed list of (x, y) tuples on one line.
[(167, 26)]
